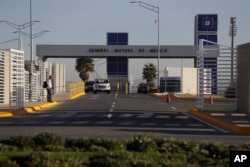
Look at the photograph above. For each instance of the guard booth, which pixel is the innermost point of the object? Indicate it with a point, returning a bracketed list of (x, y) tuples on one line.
[(170, 84)]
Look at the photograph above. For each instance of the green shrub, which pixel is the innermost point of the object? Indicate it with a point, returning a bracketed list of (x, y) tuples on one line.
[(215, 150), (97, 144), (8, 163), (21, 142), (5, 148), (40, 159), (76, 144), (141, 143), (48, 141), (139, 151), (108, 144), (109, 159)]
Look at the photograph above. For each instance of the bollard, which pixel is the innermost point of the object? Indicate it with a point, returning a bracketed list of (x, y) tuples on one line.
[(168, 99), (211, 101)]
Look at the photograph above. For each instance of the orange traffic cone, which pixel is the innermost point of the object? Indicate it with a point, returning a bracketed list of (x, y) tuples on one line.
[(168, 99), (211, 101)]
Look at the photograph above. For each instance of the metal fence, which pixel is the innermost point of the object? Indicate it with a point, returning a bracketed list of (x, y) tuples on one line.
[(76, 89), (217, 77)]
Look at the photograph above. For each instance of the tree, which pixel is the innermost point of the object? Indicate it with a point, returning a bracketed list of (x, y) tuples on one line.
[(84, 66), (150, 73)]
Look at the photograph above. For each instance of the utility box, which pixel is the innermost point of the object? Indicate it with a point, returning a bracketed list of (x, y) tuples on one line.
[(170, 84)]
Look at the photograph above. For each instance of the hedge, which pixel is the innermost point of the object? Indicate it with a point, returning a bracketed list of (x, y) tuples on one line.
[(49, 149)]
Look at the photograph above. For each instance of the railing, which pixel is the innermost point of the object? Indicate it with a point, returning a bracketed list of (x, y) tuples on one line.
[(76, 89), (217, 77)]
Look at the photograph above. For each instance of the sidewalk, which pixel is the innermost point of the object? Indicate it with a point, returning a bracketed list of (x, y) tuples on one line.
[(31, 107)]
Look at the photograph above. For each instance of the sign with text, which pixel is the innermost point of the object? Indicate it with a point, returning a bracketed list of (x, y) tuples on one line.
[(239, 158), (103, 51)]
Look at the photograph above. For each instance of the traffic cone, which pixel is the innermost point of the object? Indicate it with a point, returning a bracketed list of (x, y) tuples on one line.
[(211, 101), (168, 99)]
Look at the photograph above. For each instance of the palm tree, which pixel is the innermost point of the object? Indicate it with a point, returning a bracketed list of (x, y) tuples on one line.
[(150, 73), (84, 66)]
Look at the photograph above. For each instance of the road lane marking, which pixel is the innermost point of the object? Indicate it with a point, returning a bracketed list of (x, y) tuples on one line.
[(173, 107), (238, 115), (172, 124), (80, 122), (56, 123), (206, 123), (112, 106), (218, 114), (94, 98), (195, 125), (162, 116), (148, 113), (125, 115), (182, 117)]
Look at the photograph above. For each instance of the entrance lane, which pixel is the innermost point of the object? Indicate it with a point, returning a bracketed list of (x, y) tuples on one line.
[(131, 115)]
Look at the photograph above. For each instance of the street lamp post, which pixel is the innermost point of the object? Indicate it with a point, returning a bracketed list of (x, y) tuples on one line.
[(19, 27), (31, 36), (232, 34), (156, 10)]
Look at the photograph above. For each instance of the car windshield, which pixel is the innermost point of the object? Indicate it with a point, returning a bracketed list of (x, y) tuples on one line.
[(89, 83), (102, 81), (143, 84)]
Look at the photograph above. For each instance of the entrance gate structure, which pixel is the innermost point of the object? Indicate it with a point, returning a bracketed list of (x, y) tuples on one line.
[(216, 77)]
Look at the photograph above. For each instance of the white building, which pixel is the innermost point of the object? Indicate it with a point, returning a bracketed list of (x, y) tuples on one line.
[(188, 76), (12, 80), (4, 77), (59, 78), (58, 72)]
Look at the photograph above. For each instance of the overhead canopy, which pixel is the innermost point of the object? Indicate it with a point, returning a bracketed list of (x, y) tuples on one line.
[(103, 51)]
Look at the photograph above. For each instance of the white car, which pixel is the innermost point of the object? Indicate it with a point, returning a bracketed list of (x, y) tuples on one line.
[(101, 85)]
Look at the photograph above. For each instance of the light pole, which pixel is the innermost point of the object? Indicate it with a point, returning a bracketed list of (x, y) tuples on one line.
[(31, 36), (20, 27), (156, 10), (232, 34)]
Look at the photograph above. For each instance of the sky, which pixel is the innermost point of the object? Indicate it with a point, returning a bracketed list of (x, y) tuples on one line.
[(87, 22)]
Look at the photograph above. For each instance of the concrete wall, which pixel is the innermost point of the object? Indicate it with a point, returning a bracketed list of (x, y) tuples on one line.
[(243, 81), (189, 81)]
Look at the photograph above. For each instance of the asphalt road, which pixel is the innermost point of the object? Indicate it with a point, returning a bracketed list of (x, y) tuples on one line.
[(118, 116)]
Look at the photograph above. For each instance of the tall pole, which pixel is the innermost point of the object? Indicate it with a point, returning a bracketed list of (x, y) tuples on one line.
[(232, 33), (156, 10), (19, 28), (31, 56), (31, 41), (159, 49)]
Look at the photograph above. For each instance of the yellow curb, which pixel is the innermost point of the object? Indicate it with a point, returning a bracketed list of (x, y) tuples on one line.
[(78, 95), (6, 114), (37, 108), (46, 105), (29, 110), (224, 124)]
